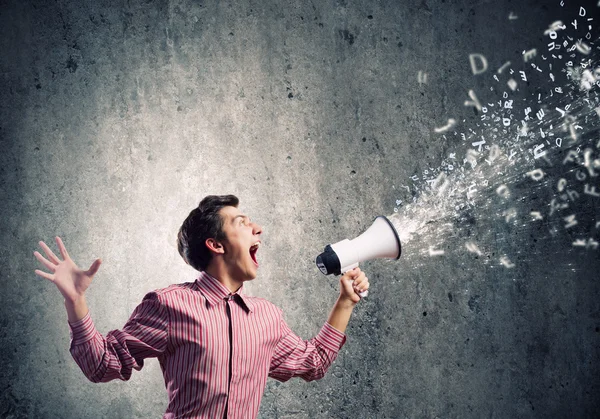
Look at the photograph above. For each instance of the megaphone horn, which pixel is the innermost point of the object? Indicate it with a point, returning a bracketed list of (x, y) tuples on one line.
[(381, 240)]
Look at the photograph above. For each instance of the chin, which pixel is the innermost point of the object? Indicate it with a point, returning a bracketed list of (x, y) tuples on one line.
[(253, 271)]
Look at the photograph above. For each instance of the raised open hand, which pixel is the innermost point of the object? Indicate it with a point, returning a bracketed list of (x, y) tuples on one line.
[(68, 278)]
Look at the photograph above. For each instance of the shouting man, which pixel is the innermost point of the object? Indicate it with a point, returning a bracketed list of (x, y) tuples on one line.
[(215, 345)]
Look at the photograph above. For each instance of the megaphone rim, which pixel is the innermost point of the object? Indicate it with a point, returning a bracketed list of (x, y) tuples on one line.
[(395, 234)]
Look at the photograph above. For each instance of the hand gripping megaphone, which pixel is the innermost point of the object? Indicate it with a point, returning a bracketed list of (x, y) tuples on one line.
[(381, 240)]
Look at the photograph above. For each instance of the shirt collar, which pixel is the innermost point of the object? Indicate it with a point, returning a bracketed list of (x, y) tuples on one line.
[(216, 292)]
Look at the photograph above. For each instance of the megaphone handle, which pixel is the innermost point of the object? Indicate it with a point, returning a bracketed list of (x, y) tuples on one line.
[(363, 294)]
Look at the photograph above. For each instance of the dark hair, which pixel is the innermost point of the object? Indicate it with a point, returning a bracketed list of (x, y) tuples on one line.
[(203, 222)]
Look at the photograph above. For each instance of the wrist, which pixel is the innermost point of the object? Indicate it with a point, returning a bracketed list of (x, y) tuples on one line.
[(345, 302), (75, 301), (76, 308)]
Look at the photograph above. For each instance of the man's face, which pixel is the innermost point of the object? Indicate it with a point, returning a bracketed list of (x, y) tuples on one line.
[(241, 243)]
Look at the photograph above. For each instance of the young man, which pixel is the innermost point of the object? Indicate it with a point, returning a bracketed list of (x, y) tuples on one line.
[(215, 345)]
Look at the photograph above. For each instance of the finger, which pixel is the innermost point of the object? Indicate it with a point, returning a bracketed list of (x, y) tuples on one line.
[(94, 268), (61, 247), (361, 291), (362, 285), (50, 253), (46, 275), (361, 278), (46, 263)]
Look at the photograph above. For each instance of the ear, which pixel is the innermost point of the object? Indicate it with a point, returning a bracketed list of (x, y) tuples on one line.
[(214, 246)]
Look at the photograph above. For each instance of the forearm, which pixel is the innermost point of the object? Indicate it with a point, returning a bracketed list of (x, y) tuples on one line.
[(309, 359), (77, 309), (340, 314), (100, 358), (115, 355)]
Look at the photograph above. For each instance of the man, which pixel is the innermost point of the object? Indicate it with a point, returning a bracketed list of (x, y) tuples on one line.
[(215, 345)]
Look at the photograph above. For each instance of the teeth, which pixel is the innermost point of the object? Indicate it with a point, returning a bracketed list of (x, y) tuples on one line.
[(255, 245)]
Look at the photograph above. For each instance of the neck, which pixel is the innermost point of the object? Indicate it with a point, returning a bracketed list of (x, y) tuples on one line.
[(222, 275)]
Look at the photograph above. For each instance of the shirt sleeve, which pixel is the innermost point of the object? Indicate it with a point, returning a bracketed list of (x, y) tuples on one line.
[(105, 358), (310, 359)]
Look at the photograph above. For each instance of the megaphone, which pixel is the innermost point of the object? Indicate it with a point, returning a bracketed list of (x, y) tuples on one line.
[(381, 240)]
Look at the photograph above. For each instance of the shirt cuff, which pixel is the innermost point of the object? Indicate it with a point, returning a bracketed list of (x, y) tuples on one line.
[(82, 330), (331, 338)]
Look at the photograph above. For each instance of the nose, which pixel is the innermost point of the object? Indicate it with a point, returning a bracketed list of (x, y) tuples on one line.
[(256, 229)]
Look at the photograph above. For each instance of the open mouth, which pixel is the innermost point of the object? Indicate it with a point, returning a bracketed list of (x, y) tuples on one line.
[(253, 250)]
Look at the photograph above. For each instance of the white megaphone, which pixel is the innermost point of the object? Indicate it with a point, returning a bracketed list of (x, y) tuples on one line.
[(381, 240)]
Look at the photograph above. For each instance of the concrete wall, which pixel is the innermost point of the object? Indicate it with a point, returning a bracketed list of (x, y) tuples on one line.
[(116, 118)]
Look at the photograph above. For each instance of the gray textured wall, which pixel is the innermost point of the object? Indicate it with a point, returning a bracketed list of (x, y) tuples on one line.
[(116, 118)]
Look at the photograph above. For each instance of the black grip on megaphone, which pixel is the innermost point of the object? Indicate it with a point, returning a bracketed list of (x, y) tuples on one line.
[(328, 262)]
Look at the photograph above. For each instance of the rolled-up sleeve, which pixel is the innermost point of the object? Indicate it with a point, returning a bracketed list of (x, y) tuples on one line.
[(105, 358), (307, 359)]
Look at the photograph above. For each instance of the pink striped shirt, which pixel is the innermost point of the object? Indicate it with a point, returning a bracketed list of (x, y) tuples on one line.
[(189, 327)]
